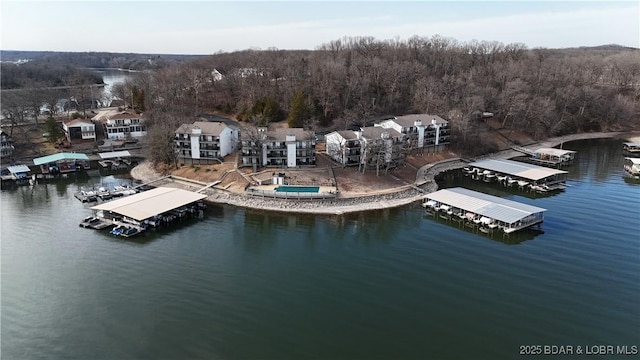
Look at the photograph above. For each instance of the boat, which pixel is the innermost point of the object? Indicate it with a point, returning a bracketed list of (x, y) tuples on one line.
[(489, 176), (117, 230), (430, 204), (632, 167), (522, 183), (129, 231)]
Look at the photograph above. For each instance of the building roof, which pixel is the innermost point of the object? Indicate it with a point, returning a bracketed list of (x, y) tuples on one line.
[(59, 156), (409, 120), (500, 209), (219, 118), (375, 132), (554, 151), (18, 169), (150, 203), (208, 128), (347, 134), (114, 154), (78, 122), (282, 133), (516, 168), (124, 115)]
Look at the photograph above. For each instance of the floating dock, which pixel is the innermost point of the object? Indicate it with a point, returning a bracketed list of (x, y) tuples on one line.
[(484, 211), (151, 208), (516, 173), (551, 157)]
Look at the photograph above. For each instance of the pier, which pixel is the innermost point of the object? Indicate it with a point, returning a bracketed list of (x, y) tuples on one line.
[(151, 208), (515, 173), (545, 156), (487, 212)]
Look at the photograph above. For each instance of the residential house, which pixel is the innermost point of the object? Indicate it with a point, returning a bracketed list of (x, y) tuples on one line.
[(79, 130), (205, 142), (6, 145), (422, 131), (281, 147), (345, 147), (124, 125)]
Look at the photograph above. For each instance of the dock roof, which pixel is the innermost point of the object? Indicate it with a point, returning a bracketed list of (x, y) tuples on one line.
[(635, 161), (494, 207), (516, 168), (18, 169), (150, 203), (554, 151), (114, 154), (59, 156)]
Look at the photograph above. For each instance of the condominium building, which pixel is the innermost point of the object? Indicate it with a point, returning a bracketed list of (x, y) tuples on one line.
[(292, 147), (205, 142)]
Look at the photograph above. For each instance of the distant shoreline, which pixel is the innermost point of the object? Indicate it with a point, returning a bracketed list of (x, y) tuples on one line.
[(425, 180)]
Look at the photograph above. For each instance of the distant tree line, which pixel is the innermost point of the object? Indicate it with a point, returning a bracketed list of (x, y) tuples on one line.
[(42, 75), (97, 59)]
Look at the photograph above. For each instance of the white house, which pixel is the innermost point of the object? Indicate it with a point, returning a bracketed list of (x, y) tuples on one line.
[(124, 125), (79, 129), (205, 142)]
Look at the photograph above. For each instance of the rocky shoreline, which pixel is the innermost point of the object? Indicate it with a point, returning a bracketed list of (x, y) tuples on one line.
[(425, 183)]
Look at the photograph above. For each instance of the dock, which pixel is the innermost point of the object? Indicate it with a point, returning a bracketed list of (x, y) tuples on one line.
[(515, 173), (550, 157), (151, 208), (631, 148), (484, 211)]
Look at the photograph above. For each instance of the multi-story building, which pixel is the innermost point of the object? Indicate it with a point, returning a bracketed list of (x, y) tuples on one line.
[(205, 142), (6, 145), (292, 147), (422, 131), (369, 146), (380, 145), (345, 147), (79, 129), (124, 125)]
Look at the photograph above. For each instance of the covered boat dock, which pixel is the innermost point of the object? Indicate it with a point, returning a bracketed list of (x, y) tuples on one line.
[(553, 156), (62, 163), (115, 159), (15, 172), (152, 208), (509, 172), (631, 148), (484, 210)]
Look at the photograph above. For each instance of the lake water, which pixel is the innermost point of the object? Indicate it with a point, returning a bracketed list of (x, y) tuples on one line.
[(112, 77), (393, 284)]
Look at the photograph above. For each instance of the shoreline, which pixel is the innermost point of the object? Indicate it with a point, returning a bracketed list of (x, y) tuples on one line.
[(424, 184)]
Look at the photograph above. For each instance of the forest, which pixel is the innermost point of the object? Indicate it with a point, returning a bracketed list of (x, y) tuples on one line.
[(351, 81)]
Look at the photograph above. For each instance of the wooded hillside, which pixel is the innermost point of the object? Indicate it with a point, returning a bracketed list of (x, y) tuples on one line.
[(543, 92)]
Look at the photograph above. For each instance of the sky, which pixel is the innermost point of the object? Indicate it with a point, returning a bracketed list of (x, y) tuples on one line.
[(208, 27)]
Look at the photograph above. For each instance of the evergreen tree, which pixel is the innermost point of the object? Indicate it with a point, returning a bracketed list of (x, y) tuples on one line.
[(299, 110), (54, 130)]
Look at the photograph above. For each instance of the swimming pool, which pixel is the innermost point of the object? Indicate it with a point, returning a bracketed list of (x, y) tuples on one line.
[(292, 188)]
